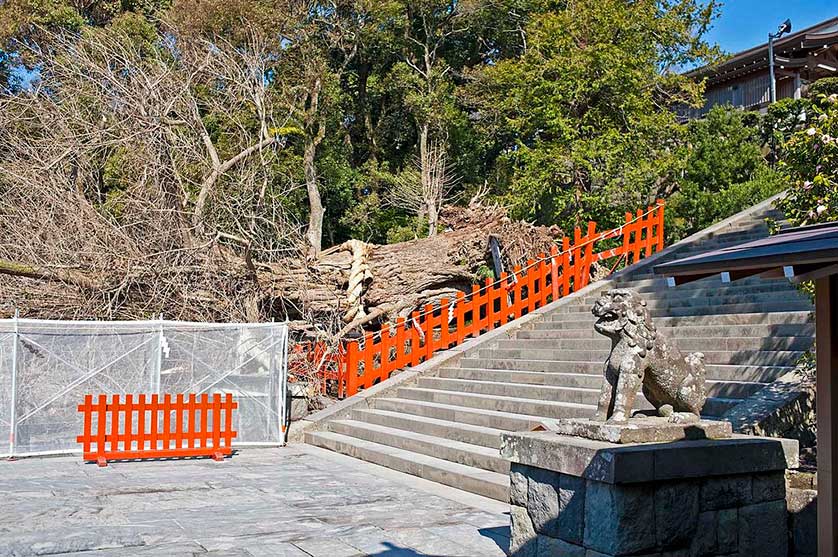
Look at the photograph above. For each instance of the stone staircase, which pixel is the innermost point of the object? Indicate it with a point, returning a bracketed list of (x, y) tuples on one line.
[(445, 424)]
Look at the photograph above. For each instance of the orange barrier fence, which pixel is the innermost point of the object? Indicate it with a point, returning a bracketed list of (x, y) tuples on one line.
[(200, 427), (361, 364)]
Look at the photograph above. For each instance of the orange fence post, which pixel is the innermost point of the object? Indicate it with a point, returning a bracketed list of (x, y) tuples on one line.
[(129, 414), (444, 331), (385, 364), (659, 214), (429, 331), (216, 421), (554, 272), (627, 228), (167, 421), (415, 339), (638, 235), (142, 436), (460, 314), (543, 273), (587, 256), (400, 359)]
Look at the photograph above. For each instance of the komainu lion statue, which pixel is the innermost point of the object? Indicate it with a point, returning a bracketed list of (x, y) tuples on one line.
[(640, 355)]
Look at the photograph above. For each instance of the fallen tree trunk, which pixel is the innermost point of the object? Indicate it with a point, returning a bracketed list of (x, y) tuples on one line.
[(395, 279)]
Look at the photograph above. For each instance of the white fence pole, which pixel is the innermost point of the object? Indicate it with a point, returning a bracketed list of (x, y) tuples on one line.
[(158, 361), (13, 414), (273, 383), (283, 384)]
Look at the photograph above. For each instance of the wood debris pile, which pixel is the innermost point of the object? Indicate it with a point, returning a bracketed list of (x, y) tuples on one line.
[(349, 287)]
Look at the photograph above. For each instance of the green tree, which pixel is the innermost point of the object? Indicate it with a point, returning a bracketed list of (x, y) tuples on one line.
[(724, 172), (582, 117), (810, 160)]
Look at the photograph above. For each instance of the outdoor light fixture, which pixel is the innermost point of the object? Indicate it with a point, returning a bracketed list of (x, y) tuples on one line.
[(785, 27)]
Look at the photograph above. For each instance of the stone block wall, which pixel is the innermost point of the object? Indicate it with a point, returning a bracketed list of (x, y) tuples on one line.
[(555, 514), (801, 502)]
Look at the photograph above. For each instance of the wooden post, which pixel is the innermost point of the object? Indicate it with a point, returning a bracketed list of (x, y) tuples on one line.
[(826, 333)]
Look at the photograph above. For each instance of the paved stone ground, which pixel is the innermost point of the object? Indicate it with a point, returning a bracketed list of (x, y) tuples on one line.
[(295, 501)]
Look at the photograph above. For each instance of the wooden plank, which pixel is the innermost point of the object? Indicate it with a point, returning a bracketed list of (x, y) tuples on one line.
[(429, 331), (167, 421), (826, 333), (444, 327), (386, 364), (401, 340), (460, 318), (155, 406), (567, 267), (179, 421), (638, 235), (204, 408), (216, 420), (128, 438), (627, 230), (660, 236), (229, 434), (114, 408), (415, 339), (191, 429), (530, 282), (141, 433), (351, 372)]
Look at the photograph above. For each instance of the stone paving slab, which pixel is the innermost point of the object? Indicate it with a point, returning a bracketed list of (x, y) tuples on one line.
[(295, 501)]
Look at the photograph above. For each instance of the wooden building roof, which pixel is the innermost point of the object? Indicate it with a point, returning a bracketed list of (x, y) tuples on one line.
[(791, 51), (802, 253)]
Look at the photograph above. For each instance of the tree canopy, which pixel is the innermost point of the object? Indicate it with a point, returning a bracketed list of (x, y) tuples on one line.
[(561, 110)]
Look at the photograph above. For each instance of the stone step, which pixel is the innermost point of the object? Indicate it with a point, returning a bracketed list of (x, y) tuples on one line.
[(682, 332), (456, 431), (733, 389), (659, 282), (716, 407), (577, 395), (580, 320), (716, 291), (689, 344), (708, 285), (458, 452), (468, 478), (742, 357), (493, 419), (582, 380), (774, 307), (760, 373), (514, 405), (589, 381), (745, 304)]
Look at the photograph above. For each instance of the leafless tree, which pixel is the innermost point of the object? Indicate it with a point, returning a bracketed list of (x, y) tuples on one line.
[(425, 188), (110, 174)]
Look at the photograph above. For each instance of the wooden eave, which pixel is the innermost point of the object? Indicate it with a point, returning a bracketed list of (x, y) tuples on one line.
[(794, 252)]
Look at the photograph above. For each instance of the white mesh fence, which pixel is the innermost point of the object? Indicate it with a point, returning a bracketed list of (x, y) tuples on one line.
[(46, 368)]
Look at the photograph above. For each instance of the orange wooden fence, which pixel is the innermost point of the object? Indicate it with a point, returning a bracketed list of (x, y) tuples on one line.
[(145, 427), (362, 363)]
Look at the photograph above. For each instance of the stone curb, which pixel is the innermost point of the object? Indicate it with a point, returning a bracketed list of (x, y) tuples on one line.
[(639, 463)]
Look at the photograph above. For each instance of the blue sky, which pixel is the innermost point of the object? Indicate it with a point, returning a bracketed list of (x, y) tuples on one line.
[(746, 23)]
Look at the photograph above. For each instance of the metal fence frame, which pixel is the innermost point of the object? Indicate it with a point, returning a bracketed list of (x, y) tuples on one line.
[(278, 372)]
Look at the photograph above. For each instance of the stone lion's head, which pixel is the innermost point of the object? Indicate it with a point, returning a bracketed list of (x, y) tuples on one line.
[(621, 312)]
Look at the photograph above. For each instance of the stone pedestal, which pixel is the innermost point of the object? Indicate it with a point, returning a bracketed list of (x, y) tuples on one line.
[(578, 497)]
